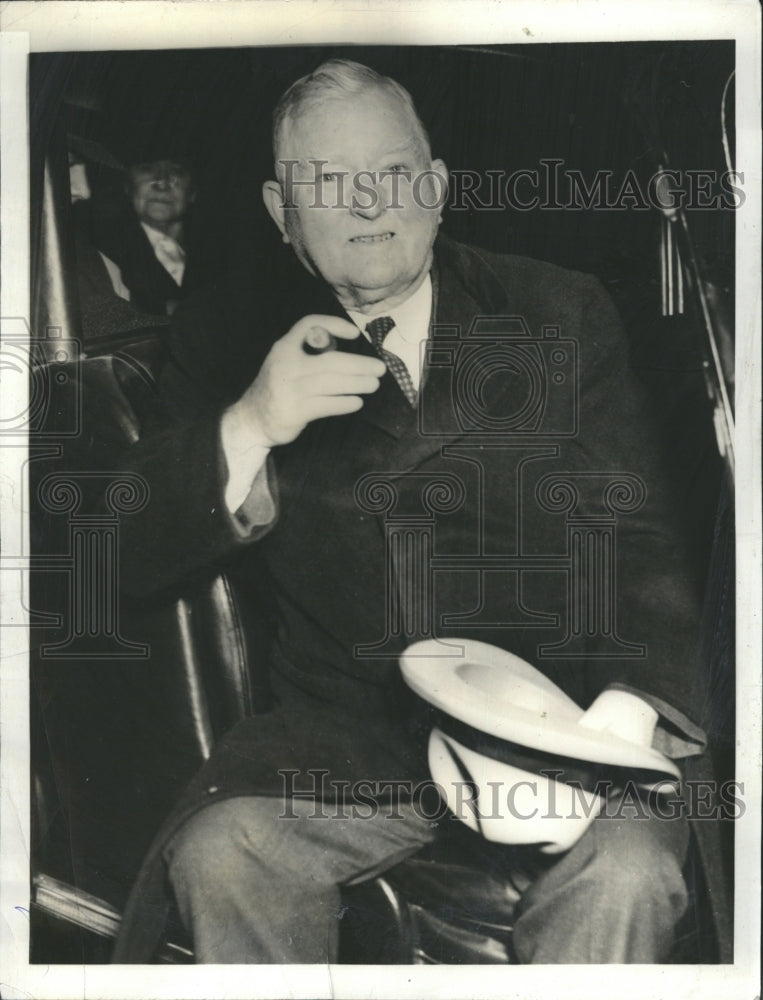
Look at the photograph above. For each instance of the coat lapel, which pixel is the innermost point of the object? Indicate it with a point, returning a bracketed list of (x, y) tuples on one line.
[(387, 409), (463, 288), (462, 291)]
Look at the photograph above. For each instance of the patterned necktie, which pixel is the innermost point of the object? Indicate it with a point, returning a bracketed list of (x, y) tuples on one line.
[(377, 330)]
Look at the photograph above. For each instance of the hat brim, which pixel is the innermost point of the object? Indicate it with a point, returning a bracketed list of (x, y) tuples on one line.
[(93, 152), (501, 694)]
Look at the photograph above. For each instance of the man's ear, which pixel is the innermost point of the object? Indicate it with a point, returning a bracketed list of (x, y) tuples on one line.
[(438, 166), (272, 195)]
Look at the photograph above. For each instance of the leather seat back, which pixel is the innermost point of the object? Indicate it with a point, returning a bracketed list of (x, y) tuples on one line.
[(123, 733)]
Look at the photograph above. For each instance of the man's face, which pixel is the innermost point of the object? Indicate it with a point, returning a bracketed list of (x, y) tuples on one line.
[(161, 192), (369, 234)]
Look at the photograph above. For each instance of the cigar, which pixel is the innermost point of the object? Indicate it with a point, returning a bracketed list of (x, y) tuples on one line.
[(318, 341)]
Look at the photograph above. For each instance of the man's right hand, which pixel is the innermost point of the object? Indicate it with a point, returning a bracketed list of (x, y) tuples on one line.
[(293, 388)]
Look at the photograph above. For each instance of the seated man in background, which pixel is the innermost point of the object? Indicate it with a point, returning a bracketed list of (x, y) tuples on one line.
[(104, 298), (256, 461), (151, 246)]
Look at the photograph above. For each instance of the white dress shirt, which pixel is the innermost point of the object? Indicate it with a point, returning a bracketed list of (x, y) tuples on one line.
[(406, 339), (408, 336), (168, 252)]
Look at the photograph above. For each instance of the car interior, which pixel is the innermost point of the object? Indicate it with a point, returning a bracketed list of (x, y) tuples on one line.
[(128, 697)]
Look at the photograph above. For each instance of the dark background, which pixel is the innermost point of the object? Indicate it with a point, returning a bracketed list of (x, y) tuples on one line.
[(615, 107), (596, 106), (602, 106)]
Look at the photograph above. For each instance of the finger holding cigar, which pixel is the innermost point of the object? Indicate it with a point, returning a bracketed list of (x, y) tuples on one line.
[(318, 340), (293, 388)]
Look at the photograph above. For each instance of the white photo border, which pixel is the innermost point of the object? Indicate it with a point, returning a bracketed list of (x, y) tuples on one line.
[(86, 26)]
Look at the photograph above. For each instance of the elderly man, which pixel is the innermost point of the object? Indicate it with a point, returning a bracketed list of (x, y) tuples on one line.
[(104, 299), (151, 248), (259, 463)]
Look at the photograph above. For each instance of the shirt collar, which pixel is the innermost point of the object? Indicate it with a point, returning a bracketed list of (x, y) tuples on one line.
[(155, 237), (411, 317)]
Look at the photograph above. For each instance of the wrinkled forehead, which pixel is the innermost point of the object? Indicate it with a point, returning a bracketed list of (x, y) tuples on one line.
[(335, 125)]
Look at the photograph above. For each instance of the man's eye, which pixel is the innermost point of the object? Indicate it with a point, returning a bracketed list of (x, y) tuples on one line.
[(397, 168), (329, 176)]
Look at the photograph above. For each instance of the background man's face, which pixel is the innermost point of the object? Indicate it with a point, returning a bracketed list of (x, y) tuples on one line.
[(162, 192), (370, 251)]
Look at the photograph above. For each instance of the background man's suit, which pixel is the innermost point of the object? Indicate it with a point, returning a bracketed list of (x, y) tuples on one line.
[(151, 286), (324, 559)]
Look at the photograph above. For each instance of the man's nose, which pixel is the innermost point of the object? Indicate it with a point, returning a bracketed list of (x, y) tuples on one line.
[(162, 181), (368, 199)]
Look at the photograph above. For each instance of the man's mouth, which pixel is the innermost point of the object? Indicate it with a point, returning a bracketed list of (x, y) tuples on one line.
[(381, 238)]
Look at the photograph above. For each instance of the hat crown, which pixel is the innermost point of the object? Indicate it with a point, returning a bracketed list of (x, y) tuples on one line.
[(497, 693), (514, 687)]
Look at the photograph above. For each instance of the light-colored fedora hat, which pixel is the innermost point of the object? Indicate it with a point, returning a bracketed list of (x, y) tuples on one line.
[(510, 755)]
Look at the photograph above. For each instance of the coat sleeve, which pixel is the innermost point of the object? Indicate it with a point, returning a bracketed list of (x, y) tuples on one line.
[(655, 595), (185, 528)]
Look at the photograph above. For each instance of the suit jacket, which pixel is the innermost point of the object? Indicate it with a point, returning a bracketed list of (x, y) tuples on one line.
[(151, 286), (102, 311), (326, 557)]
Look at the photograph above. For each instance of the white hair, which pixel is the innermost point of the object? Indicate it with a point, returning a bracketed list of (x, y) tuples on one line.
[(337, 78)]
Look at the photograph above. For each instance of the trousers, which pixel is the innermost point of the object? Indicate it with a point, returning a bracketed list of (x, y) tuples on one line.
[(258, 881)]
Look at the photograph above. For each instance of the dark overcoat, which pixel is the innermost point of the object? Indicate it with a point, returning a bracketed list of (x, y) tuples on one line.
[(151, 286), (481, 484)]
